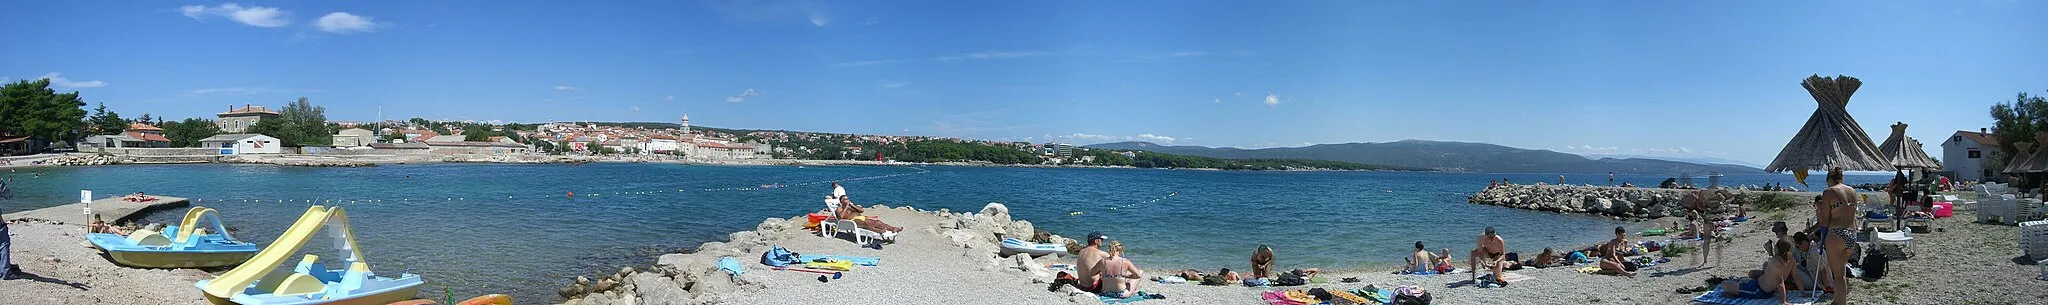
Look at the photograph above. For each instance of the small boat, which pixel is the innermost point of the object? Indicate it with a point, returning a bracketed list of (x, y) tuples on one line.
[(260, 282), (181, 246), (1012, 246)]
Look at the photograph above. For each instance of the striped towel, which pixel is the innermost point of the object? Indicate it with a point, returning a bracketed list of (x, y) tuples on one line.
[(1796, 298)]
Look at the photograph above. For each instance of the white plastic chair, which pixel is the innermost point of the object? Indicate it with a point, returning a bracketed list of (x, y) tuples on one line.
[(846, 226), (832, 210), (1902, 237)]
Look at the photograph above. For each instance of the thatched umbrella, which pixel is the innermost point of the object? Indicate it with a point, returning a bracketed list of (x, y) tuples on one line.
[(2019, 161), (1830, 138), (1900, 151)]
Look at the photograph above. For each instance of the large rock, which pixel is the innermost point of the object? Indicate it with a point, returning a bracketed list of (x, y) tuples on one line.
[(996, 211), (1019, 229)]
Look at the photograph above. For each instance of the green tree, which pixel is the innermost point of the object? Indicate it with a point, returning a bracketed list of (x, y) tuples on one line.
[(105, 122), (2014, 122), (187, 133), (146, 119), (419, 121), (394, 136), (300, 123), (31, 109)]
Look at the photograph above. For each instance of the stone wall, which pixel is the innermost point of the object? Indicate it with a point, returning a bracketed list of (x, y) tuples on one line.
[(1632, 203)]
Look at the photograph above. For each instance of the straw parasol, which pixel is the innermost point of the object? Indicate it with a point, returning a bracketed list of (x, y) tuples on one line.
[(2020, 159), (1830, 138), (1901, 151)]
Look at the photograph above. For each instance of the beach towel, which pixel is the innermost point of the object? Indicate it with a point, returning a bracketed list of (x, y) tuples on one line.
[(1796, 298), (1135, 297), (776, 256), (857, 260), (1587, 269), (730, 265)]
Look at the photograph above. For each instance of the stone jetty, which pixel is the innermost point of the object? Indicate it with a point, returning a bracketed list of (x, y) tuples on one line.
[(1620, 202)]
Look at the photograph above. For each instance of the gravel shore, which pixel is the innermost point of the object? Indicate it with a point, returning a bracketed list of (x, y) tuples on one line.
[(949, 258), (61, 268)]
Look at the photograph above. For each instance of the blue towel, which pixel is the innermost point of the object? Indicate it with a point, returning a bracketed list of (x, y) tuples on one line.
[(1427, 272), (857, 260), (1797, 297), (730, 265), (1135, 297)]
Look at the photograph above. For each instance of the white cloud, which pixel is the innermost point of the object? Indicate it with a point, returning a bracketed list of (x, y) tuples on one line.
[(742, 97), (258, 16), (1272, 99), (60, 81), (668, 97), (563, 88), (1084, 137), (871, 21), (633, 108), (345, 23), (820, 20), (1156, 138), (1218, 101)]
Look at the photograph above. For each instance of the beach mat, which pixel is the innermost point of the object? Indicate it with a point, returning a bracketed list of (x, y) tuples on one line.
[(1796, 298), (1135, 297), (863, 261)]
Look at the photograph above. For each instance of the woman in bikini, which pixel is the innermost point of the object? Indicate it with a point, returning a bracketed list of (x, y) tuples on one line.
[(1837, 216)]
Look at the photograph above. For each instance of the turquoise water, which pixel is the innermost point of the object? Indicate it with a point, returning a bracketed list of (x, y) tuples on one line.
[(492, 228)]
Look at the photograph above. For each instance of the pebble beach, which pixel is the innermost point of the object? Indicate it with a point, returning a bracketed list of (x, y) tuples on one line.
[(947, 257)]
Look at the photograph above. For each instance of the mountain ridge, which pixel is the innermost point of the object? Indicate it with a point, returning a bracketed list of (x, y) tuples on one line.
[(1447, 156)]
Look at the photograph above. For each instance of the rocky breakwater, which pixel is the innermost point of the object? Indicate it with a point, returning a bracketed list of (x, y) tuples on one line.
[(84, 160), (694, 277), (1619, 202)]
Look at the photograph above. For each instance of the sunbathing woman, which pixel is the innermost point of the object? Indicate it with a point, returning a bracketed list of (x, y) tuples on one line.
[(1421, 260), (850, 211), (1120, 277), (1610, 254), (1837, 213), (1771, 282)]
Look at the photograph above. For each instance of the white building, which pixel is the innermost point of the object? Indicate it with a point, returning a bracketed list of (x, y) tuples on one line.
[(1965, 153), (243, 143), (354, 137)]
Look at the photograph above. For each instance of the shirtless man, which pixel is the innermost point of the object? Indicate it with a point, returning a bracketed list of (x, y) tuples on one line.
[(1421, 260), (1120, 277), (1777, 267), (1491, 251), (1085, 264), (1701, 203), (1610, 254), (1837, 214), (848, 210)]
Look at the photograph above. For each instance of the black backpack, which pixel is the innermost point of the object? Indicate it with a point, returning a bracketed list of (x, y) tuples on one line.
[(1874, 262), (1290, 279)]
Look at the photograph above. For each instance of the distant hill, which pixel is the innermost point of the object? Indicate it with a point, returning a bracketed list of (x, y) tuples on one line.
[(1694, 160), (1447, 156)]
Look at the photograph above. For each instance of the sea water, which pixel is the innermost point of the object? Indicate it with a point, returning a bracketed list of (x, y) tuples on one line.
[(498, 228)]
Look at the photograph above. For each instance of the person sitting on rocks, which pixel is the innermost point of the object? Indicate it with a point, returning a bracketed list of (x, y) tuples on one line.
[(1611, 260), (850, 211), (1492, 250), (100, 226), (1120, 277)]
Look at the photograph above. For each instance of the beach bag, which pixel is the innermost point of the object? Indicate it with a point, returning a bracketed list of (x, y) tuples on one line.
[(1290, 279), (1410, 295), (779, 257), (1256, 282), (1874, 262)]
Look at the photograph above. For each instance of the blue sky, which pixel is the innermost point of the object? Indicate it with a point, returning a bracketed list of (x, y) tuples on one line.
[(1705, 78)]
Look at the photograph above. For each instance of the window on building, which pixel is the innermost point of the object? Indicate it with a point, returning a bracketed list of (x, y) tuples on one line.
[(1976, 154)]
